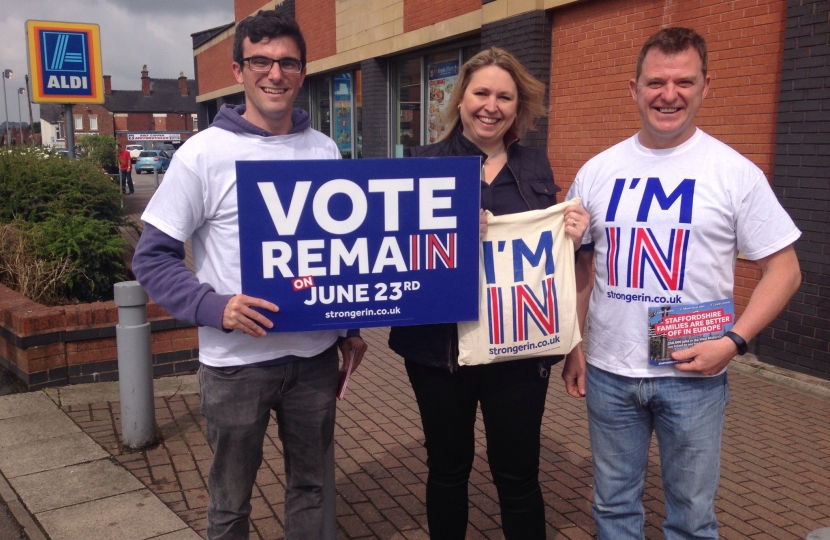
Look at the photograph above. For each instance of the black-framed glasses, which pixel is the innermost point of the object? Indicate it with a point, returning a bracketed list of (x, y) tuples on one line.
[(263, 63)]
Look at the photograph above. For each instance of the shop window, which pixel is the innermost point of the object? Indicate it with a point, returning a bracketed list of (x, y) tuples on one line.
[(195, 118), (321, 105), (421, 89), (337, 111), (407, 105), (442, 75)]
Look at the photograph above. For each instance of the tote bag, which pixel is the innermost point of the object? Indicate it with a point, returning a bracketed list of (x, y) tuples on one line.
[(527, 290)]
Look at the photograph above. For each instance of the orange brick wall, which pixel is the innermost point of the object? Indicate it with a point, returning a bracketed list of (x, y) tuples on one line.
[(243, 8), (594, 53), (64, 357), (214, 67), (318, 22), (420, 13)]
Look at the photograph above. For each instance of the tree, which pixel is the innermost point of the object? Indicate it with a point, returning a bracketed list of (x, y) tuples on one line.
[(100, 150)]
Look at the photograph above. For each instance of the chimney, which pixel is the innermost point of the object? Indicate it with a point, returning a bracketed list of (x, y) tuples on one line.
[(145, 80), (107, 85), (182, 83)]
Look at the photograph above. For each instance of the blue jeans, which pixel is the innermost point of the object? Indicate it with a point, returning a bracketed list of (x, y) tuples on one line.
[(687, 414), (126, 180), (237, 403)]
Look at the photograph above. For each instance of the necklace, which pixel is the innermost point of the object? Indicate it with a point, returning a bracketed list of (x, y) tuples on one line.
[(497, 154)]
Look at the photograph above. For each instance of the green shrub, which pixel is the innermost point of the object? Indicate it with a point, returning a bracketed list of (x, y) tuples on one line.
[(93, 247), (64, 210), (98, 150)]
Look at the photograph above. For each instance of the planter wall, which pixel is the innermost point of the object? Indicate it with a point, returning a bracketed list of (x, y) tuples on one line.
[(54, 346)]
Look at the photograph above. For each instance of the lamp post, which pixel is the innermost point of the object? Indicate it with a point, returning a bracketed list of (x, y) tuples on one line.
[(29, 103), (20, 92), (7, 74)]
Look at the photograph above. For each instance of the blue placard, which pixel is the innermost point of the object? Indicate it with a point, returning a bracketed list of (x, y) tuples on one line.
[(361, 243)]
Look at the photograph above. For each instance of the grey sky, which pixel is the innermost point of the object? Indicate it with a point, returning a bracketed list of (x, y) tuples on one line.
[(133, 33)]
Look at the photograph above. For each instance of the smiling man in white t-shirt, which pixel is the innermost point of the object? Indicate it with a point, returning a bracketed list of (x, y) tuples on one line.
[(246, 372), (670, 209)]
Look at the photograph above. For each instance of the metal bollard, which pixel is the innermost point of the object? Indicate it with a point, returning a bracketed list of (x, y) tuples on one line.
[(329, 498), (156, 177), (135, 366)]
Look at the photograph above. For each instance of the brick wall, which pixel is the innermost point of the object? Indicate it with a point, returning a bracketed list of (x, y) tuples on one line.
[(105, 119), (53, 346), (420, 13), (318, 23), (799, 339), (214, 67), (140, 122), (528, 38), (594, 53), (243, 8), (374, 81)]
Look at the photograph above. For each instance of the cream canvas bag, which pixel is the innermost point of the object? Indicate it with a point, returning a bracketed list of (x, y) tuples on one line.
[(527, 290)]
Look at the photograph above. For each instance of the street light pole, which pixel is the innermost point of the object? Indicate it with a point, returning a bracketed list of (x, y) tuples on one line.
[(20, 92), (7, 74), (29, 103)]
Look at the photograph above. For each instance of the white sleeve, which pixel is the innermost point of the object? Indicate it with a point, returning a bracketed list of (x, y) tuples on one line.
[(178, 206), (763, 227), (575, 191)]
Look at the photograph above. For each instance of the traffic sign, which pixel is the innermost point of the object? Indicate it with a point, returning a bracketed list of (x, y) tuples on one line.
[(65, 62)]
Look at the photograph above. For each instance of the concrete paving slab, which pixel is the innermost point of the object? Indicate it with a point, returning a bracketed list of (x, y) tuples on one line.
[(24, 404), (75, 484), (131, 516), (35, 427), (49, 454), (186, 534), (81, 394)]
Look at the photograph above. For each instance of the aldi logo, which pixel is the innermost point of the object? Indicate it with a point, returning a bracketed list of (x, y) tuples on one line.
[(65, 62)]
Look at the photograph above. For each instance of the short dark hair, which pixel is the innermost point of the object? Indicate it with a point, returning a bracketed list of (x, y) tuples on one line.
[(673, 41), (267, 24)]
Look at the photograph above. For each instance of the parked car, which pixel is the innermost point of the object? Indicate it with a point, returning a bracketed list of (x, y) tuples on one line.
[(150, 160), (170, 149), (134, 150)]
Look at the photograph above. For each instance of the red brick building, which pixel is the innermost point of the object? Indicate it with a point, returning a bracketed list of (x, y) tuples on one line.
[(164, 110), (375, 68)]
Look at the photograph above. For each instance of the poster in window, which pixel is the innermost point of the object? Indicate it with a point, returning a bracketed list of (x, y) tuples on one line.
[(442, 77), (343, 112)]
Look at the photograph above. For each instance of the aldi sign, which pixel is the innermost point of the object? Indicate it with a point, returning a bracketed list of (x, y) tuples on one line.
[(65, 62)]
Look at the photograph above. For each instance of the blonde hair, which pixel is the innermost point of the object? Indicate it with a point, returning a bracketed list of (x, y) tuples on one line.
[(530, 104)]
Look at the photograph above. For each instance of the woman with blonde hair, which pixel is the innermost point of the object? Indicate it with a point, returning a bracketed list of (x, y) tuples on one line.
[(494, 101)]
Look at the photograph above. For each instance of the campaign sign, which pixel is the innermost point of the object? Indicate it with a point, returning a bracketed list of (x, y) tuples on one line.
[(361, 243), (65, 62)]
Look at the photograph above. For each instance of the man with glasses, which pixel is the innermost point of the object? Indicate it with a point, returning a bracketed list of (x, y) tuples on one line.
[(245, 371)]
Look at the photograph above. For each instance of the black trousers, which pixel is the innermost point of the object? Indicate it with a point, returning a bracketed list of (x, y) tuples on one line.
[(512, 396)]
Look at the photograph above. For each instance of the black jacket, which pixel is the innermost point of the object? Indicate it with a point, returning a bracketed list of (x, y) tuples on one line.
[(437, 344)]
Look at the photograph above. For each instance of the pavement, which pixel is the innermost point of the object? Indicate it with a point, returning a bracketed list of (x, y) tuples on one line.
[(64, 474)]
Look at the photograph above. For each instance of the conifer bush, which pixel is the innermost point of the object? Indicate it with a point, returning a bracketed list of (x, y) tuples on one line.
[(59, 221)]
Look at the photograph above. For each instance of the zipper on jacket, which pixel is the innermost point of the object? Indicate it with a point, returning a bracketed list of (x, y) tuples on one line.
[(452, 352), (518, 183)]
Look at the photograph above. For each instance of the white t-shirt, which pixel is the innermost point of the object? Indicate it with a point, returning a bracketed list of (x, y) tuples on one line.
[(667, 227), (198, 199)]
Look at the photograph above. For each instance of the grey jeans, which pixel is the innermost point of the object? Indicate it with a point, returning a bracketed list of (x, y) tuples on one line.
[(237, 403)]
